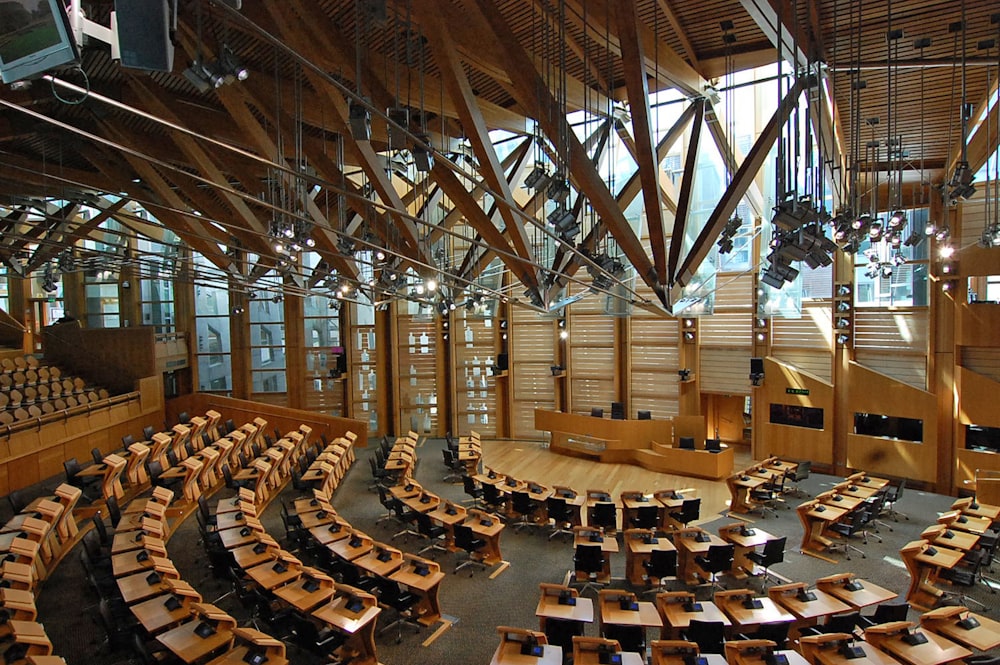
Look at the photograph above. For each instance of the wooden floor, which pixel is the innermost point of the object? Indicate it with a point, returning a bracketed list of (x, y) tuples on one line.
[(531, 460)]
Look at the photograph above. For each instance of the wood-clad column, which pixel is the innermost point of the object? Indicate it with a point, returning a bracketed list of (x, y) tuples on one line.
[(295, 348), (945, 309), (239, 336), (842, 420)]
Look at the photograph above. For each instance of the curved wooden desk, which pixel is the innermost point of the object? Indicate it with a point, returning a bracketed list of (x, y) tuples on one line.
[(641, 442)]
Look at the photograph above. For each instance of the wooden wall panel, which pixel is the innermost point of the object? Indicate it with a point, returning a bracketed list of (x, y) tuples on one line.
[(532, 353), (786, 440), (978, 325), (985, 361), (726, 329), (906, 367), (869, 391), (114, 358), (725, 371), (817, 362)]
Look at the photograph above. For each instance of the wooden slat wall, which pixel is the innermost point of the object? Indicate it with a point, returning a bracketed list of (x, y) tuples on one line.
[(655, 360), (474, 389), (531, 355), (893, 342), (806, 343), (726, 329), (973, 215), (725, 371), (982, 360), (726, 338), (591, 358), (419, 397)]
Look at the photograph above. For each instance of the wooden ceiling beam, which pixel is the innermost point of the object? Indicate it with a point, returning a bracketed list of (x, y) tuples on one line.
[(69, 238), (533, 94), (774, 18), (631, 37), (459, 89), (680, 33), (687, 187), (737, 188)]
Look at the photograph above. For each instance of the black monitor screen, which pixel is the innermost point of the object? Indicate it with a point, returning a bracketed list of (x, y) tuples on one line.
[(686, 442), (796, 416), (892, 427)]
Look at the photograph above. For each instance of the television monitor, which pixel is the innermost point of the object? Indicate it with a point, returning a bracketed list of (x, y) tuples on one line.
[(617, 411), (686, 442), (714, 445), (35, 36), (596, 412), (644, 415), (757, 366)]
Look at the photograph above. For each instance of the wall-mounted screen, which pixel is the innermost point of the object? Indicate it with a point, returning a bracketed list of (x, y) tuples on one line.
[(796, 416), (34, 37), (891, 427), (983, 439)]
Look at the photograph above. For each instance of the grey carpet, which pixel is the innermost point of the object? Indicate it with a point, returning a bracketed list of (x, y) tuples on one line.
[(478, 604)]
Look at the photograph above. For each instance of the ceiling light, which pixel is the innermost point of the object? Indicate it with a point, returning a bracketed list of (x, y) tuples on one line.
[(946, 251), (843, 323), (432, 284), (843, 338)]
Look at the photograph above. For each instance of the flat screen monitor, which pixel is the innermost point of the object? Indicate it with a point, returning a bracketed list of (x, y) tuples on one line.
[(617, 411), (644, 415), (686, 442), (596, 412), (35, 37), (714, 445)]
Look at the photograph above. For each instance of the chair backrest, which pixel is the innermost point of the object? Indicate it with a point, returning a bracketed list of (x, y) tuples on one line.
[(605, 514), (127, 440), (691, 509), (708, 635), (776, 632), (466, 539), (588, 558), (721, 555), (72, 467), (522, 503), (715, 445), (17, 501), (774, 550), (100, 528), (887, 612), (114, 512), (842, 623), (147, 432), (183, 418), (686, 442), (557, 509), (899, 489), (802, 470), (469, 484), (662, 563), (647, 517), (490, 493)]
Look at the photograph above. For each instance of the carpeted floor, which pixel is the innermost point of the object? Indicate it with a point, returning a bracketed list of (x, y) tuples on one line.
[(476, 605)]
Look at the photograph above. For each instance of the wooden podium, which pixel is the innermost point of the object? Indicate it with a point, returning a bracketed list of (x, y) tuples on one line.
[(641, 442)]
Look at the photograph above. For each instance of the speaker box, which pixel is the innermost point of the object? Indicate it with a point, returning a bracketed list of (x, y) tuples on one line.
[(756, 365), (143, 28), (502, 362)]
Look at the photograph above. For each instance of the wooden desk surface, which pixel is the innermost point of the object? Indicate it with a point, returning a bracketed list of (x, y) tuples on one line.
[(348, 552), (935, 651), (593, 658), (232, 538), (770, 612), (317, 518), (128, 563), (135, 588), (189, 647), (302, 599), (678, 617), (154, 616), (509, 653), (826, 512), (640, 546), (550, 608), (983, 510), (126, 542), (246, 557), (733, 535), (486, 529), (959, 540), (608, 544), (870, 481), (943, 558), (824, 605), (236, 656), (268, 578), (338, 616), (422, 503), (324, 535), (856, 491), (687, 541), (848, 503), (645, 615), (662, 657), (871, 594), (985, 636), (440, 514), (406, 575), (872, 656), (370, 561), (971, 523)]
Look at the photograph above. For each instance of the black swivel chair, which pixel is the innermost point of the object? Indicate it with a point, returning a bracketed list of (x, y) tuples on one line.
[(434, 533), (403, 603), (718, 559), (892, 497), (856, 524), (646, 517), (562, 518), (800, 473), (965, 576), (474, 491), (18, 501), (710, 636), (660, 566), (685, 442), (604, 514), (379, 475), (588, 564), (523, 505), (455, 467), (148, 431), (88, 484), (776, 632), (561, 632), (493, 498), (886, 613), (773, 552), (713, 445), (465, 539), (97, 455), (689, 512), (631, 638), (838, 623)]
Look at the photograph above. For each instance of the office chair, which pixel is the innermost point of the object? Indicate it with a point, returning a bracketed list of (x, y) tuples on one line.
[(773, 552), (465, 539), (298, 484), (631, 638), (101, 529), (710, 636), (403, 603), (646, 517), (885, 613), (964, 576), (776, 632), (892, 497), (72, 467), (97, 455), (523, 505), (493, 498), (685, 442), (588, 559), (148, 431), (433, 533), (561, 632), (848, 529), (378, 473), (472, 489), (660, 566), (838, 623), (797, 475), (689, 512), (117, 621), (562, 518), (713, 445), (719, 559), (768, 495), (18, 501), (452, 463), (604, 514)]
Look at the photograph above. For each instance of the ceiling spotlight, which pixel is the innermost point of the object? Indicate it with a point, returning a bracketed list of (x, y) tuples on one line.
[(432, 284), (897, 219), (360, 122), (930, 228), (942, 234), (843, 338), (886, 270), (843, 323), (843, 306), (558, 190), (379, 255), (229, 67), (946, 251), (844, 290), (537, 179)]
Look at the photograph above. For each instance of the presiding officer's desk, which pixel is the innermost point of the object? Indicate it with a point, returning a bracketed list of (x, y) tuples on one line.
[(641, 442)]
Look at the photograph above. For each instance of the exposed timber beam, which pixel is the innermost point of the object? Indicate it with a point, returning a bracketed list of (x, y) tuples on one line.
[(630, 34), (687, 187), (737, 188), (69, 238), (533, 94)]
